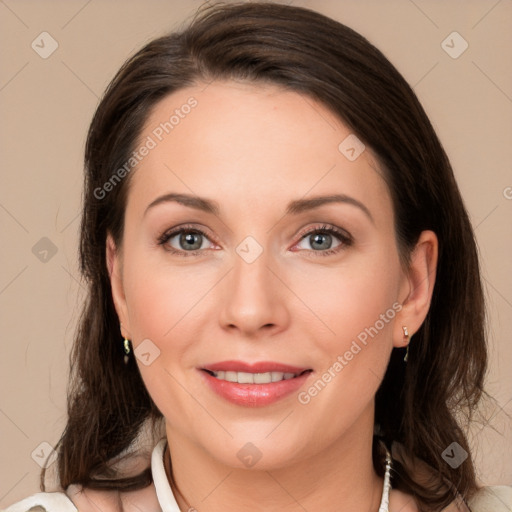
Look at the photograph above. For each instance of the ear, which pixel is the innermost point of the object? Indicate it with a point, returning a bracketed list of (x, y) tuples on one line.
[(114, 267), (417, 287)]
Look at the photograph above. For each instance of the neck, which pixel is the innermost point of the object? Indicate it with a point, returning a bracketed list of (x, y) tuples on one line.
[(341, 477)]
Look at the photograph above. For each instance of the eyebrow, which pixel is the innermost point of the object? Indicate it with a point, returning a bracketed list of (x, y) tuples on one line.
[(199, 203), (302, 205), (294, 207)]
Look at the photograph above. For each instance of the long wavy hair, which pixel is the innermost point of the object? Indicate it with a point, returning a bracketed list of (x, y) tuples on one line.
[(421, 404)]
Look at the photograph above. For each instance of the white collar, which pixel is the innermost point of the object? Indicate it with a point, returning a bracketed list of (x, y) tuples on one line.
[(163, 488), (168, 501)]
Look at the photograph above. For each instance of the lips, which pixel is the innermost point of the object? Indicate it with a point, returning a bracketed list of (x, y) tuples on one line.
[(253, 384)]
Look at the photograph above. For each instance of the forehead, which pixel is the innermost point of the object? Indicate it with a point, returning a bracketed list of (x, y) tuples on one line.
[(254, 143)]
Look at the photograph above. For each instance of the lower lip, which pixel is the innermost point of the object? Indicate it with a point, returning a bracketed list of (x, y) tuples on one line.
[(254, 395)]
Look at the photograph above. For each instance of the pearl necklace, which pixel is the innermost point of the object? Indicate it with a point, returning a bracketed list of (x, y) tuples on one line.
[(384, 502)]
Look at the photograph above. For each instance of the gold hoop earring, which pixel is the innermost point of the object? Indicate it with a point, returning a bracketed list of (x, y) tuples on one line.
[(407, 338), (127, 350)]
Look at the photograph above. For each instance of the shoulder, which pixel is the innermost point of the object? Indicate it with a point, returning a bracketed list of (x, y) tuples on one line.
[(77, 499), (497, 498), (44, 502)]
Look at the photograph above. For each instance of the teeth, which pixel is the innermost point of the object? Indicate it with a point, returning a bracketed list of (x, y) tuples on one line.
[(253, 378)]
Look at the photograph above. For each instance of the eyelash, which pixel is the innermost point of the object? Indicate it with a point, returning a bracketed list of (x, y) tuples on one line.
[(345, 239)]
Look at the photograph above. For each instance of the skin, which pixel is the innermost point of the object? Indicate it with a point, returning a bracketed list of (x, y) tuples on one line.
[(253, 149)]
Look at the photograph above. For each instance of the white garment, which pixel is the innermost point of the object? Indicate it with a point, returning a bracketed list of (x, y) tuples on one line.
[(488, 499), (163, 488)]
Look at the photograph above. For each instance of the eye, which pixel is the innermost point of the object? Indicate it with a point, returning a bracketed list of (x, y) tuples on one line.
[(185, 240), (325, 240), (320, 241)]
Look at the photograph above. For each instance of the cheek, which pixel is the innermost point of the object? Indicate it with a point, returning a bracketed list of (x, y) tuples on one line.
[(163, 300), (166, 306), (348, 301), (359, 307)]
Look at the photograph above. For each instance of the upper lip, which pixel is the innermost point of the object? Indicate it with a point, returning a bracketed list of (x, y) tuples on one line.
[(257, 367)]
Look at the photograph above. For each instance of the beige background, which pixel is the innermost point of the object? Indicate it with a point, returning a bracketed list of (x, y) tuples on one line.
[(47, 104)]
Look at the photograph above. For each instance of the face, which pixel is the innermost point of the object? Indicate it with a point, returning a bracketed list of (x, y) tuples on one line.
[(258, 276)]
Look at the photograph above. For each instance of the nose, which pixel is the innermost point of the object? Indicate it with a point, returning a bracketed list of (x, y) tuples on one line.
[(254, 298)]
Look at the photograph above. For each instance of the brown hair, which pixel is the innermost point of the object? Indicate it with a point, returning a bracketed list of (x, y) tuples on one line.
[(306, 52)]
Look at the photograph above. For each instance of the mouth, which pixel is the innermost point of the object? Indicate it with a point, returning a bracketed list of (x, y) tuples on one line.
[(253, 384)]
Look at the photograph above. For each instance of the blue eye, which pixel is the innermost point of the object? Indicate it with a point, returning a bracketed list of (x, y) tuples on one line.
[(184, 240), (321, 241), (325, 240)]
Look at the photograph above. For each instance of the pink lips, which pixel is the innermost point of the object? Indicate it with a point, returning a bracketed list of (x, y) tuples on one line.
[(254, 395)]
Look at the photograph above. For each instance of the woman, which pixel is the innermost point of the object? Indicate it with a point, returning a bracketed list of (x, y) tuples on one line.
[(285, 309)]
